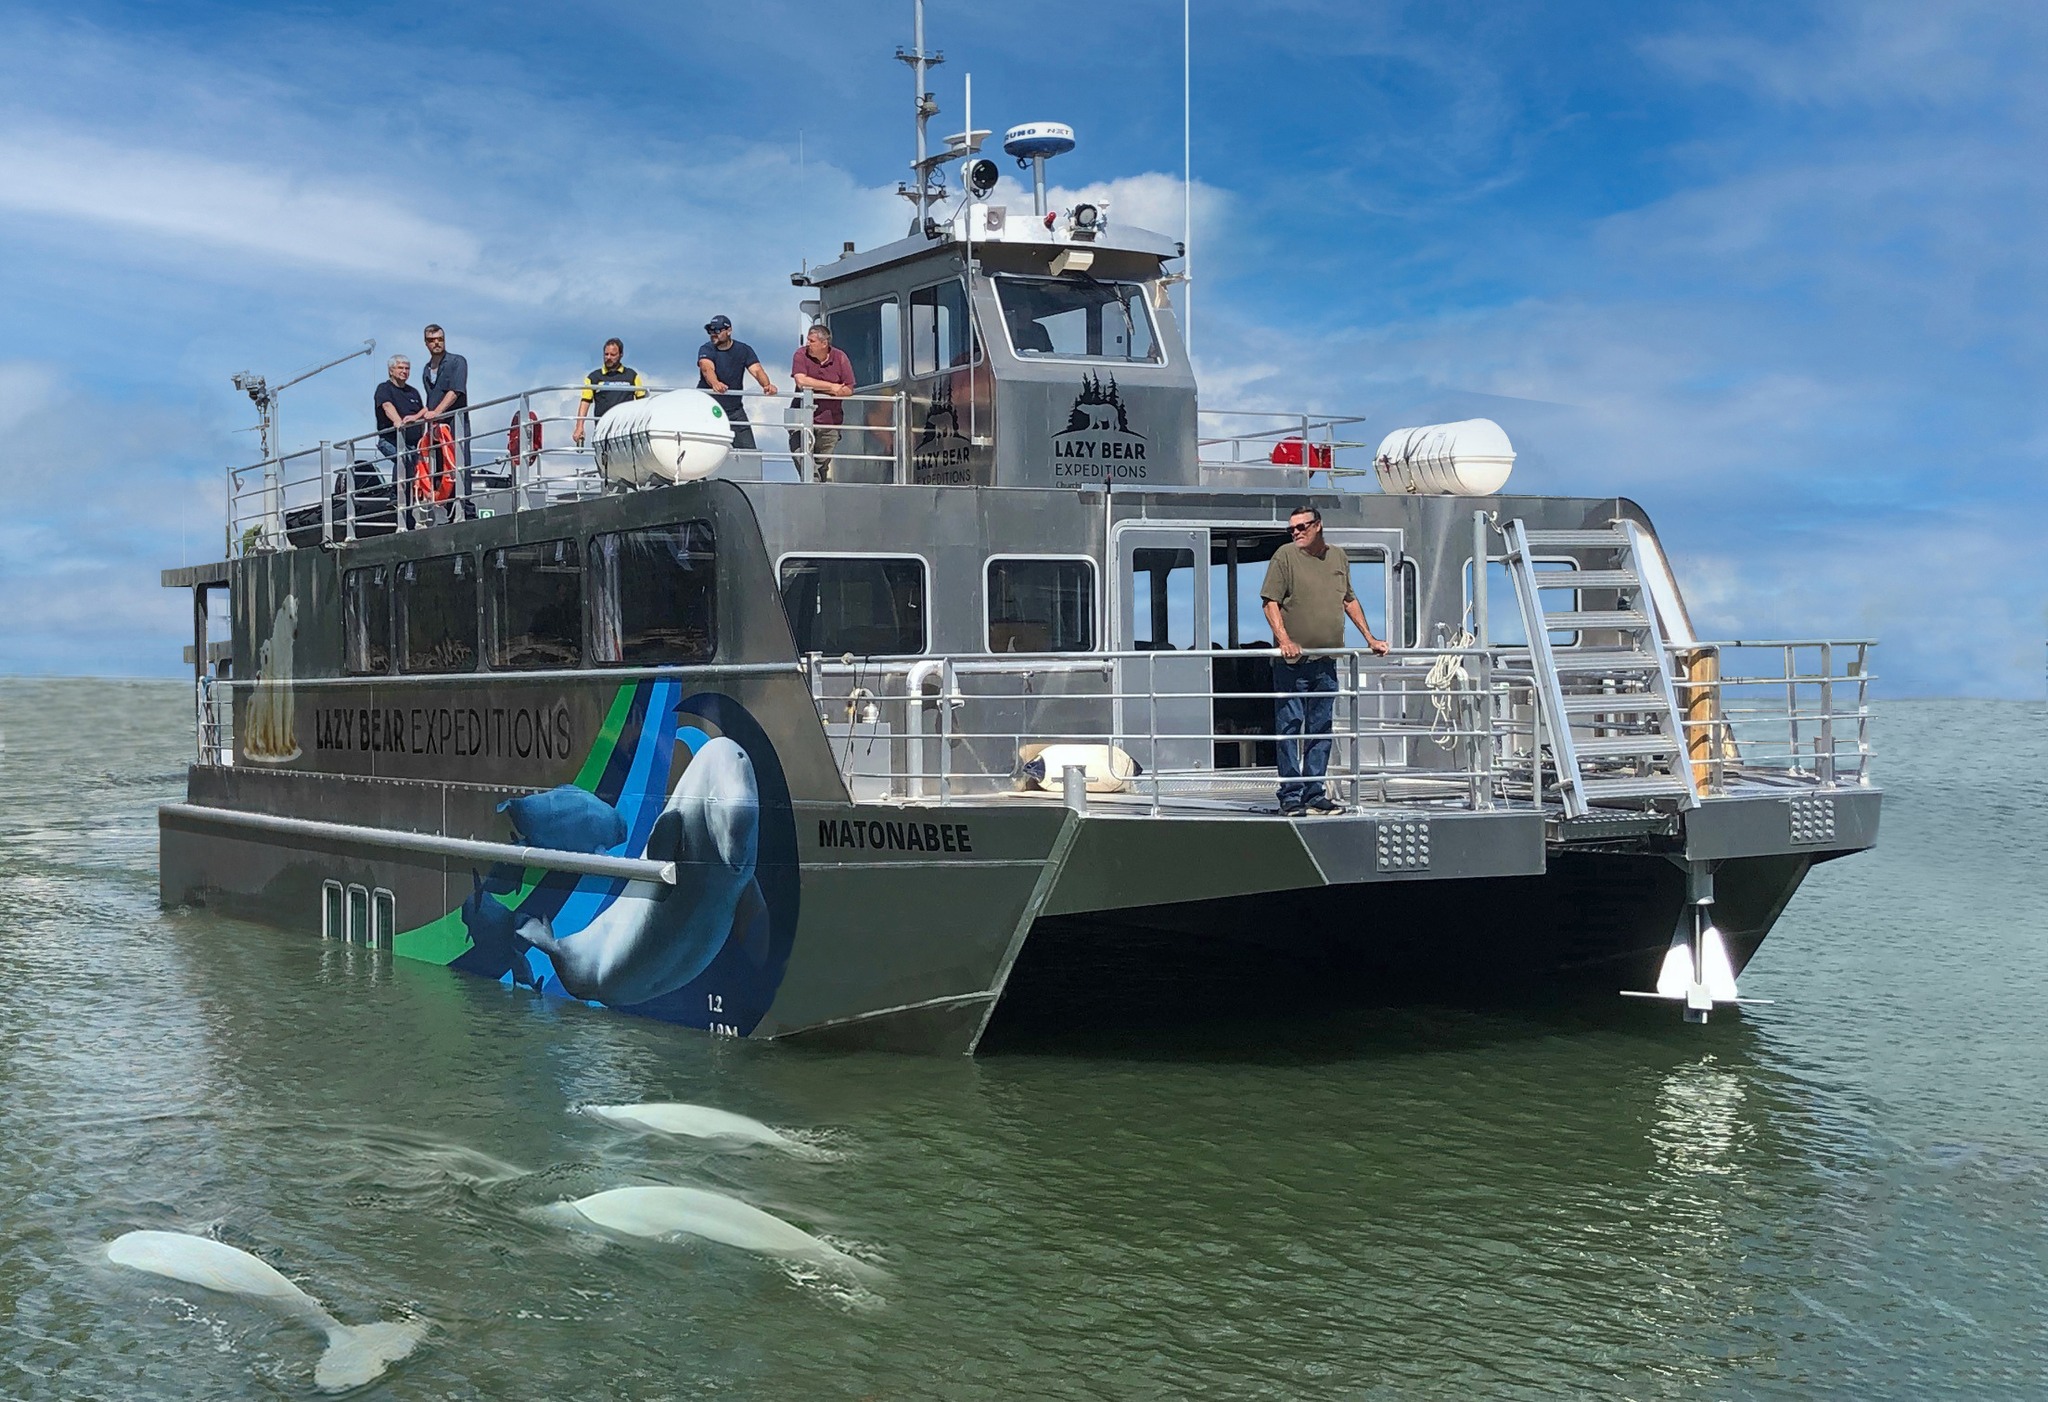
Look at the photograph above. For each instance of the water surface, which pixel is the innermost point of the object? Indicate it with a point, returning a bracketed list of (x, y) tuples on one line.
[(1839, 1195)]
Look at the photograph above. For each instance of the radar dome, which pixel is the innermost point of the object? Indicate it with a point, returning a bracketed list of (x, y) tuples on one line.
[(1039, 139)]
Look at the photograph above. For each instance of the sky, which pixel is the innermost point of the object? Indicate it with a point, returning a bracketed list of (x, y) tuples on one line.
[(1773, 270)]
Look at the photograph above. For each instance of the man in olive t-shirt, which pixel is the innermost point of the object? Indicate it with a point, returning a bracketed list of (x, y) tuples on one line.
[(1308, 595)]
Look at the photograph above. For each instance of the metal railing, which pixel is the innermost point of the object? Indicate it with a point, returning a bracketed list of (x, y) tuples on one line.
[(357, 487), (1292, 446), (1778, 711), (963, 728), (213, 704)]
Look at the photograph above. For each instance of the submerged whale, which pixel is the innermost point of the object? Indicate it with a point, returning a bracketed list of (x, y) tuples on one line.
[(654, 938), (695, 1121), (355, 1353), (660, 1213)]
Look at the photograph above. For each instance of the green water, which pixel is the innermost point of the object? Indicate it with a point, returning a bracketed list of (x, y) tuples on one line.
[(1839, 1195)]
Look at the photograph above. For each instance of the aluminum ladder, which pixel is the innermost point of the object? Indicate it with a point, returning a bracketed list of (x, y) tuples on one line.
[(1611, 711)]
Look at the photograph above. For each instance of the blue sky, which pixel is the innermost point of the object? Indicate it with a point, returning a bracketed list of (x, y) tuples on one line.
[(1773, 270)]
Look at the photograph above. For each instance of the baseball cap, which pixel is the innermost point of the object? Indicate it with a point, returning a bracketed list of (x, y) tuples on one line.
[(718, 323)]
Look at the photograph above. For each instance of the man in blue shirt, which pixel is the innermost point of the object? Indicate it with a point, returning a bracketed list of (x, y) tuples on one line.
[(445, 381), (722, 366)]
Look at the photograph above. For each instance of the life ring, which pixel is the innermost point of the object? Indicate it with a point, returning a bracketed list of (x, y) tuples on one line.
[(527, 453), (434, 474)]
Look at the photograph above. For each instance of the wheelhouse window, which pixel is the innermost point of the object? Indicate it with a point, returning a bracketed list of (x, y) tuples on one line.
[(868, 606), (653, 595), (941, 336), (366, 621), (870, 334), (1041, 605), (437, 606), (533, 606), (1070, 319)]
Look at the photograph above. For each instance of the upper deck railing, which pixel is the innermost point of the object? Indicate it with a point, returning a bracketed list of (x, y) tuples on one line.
[(516, 453)]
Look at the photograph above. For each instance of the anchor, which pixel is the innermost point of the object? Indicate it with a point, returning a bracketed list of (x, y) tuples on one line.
[(1697, 971)]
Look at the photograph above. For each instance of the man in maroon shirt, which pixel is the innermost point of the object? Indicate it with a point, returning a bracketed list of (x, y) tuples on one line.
[(826, 372)]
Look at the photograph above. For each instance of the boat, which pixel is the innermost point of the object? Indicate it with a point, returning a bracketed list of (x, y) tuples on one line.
[(976, 737)]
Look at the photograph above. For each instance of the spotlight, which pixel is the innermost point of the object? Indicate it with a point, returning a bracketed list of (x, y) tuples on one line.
[(981, 176)]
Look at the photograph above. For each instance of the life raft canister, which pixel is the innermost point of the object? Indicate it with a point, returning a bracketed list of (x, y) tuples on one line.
[(434, 475)]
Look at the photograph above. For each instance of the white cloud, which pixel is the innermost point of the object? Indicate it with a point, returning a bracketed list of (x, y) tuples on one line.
[(224, 206)]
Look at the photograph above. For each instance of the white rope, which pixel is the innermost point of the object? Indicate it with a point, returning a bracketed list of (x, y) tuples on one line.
[(1447, 677)]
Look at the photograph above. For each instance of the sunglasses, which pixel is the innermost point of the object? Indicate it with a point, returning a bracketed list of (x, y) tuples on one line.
[(1303, 529)]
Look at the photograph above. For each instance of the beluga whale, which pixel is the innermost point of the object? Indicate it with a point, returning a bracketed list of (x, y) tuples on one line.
[(655, 938), (664, 1213), (355, 1354), (695, 1122)]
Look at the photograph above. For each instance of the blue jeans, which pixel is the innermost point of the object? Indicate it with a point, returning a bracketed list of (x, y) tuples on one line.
[(1308, 689)]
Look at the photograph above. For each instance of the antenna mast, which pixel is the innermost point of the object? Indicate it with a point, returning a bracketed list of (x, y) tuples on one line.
[(926, 106)]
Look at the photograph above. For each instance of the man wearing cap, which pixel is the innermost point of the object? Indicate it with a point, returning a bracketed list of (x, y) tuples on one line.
[(621, 383), (821, 367), (1307, 594), (722, 365)]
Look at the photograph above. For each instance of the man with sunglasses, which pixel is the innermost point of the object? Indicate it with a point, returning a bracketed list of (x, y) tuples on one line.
[(1308, 596)]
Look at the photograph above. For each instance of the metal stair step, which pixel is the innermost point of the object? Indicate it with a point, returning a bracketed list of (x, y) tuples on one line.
[(1624, 746), (1570, 660), (1628, 619), (1587, 579), (1583, 540), (1653, 786), (1614, 703)]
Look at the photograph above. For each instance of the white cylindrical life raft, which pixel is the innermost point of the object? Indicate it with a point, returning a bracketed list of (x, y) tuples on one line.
[(675, 437), (1470, 458)]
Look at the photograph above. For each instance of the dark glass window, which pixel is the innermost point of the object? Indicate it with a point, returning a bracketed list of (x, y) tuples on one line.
[(653, 595), (868, 607), (437, 603), (366, 621), (869, 334), (1085, 320), (1041, 606), (1162, 599), (533, 606), (940, 334)]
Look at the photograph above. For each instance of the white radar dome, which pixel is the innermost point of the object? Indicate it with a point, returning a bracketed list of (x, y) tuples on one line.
[(675, 437), (1039, 139), (1470, 458)]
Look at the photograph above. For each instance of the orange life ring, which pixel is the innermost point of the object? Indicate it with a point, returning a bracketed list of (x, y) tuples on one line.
[(434, 474)]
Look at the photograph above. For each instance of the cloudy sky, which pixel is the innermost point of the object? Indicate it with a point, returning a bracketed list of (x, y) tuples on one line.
[(1774, 270)]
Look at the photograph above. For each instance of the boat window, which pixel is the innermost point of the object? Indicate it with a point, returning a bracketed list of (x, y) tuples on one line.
[(1162, 600), (383, 918), (1072, 319), (869, 334), (366, 621), (870, 607), (533, 606), (358, 931), (437, 603), (1041, 605), (653, 595), (941, 337)]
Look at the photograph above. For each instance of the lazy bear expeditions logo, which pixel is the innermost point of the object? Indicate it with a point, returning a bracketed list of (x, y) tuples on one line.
[(1097, 444), (942, 449)]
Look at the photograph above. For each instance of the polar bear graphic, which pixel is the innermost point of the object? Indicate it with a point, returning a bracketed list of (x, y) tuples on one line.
[(268, 722), (1101, 417)]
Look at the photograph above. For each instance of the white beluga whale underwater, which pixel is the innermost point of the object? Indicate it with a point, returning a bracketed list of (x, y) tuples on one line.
[(655, 938), (696, 1122), (665, 1213), (356, 1353)]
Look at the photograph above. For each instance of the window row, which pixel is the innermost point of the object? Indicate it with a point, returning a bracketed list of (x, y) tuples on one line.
[(875, 606), (628, 598)]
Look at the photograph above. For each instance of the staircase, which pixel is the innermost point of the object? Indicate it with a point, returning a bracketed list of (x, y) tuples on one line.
[(1610, 709)]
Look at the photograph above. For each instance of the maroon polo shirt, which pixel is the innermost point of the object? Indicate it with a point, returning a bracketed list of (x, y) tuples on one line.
[(838, 369)]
